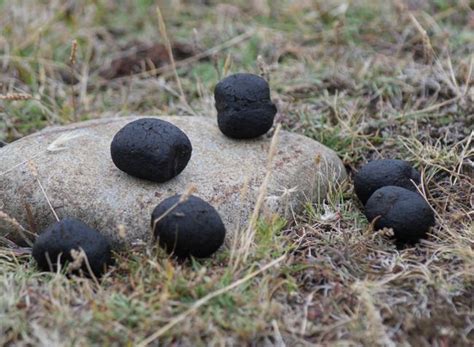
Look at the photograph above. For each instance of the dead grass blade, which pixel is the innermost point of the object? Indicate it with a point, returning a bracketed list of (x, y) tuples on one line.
[(22, 230), (164, 33), (242, 243)]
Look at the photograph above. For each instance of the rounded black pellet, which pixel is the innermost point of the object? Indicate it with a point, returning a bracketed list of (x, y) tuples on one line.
[(244, 107), (386, 172), (151, 149), (59, 239), (406, 212), (191, 228)]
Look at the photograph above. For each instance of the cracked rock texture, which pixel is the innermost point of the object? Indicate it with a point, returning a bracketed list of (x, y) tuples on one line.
[(75, 168)]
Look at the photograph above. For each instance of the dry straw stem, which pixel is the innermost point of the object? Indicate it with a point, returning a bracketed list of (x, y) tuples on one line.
[(241, 251), (164, 33), (194, 307), (34, 172), (72, 57), (376, 329), (22, 230), (227, 65), (467, 152), (430, 55), (39, 60), (16, 96), (279, 342), (36, 32), (468, 76), (428, 109), (243, 194), (72, 62), (263, 68), (428, 51), (57, 145), (79, 257)]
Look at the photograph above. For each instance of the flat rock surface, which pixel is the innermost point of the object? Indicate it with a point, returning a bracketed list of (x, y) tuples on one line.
[(74, 166)]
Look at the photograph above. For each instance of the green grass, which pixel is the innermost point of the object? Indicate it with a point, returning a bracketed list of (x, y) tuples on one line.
[(352, 75)]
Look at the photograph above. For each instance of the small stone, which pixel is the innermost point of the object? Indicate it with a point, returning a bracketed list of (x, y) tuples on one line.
[(385, 172), (191, 227), (244, 107), (406, 212), (59, 239), (152, 149)]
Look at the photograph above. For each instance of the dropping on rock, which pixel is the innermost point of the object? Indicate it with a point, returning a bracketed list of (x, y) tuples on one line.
[(151, 149)]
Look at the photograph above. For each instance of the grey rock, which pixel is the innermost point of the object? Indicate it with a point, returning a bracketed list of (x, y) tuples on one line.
[(75, 169)]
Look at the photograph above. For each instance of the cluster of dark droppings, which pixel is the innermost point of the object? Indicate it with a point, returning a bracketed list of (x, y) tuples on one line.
[(152, 149), (386, 172), (406, 212), (191, 228), (244, 107), (58, 240)]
